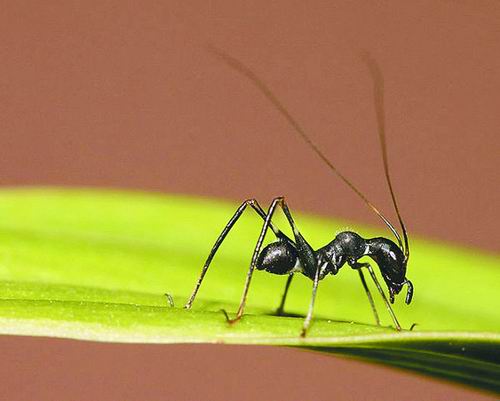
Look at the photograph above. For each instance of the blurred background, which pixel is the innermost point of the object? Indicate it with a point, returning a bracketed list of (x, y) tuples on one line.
[(124, 94)]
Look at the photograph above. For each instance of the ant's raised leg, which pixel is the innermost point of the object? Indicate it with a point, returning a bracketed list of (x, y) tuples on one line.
[(280, 310), (386, 301), (358, 266), (249, 202)]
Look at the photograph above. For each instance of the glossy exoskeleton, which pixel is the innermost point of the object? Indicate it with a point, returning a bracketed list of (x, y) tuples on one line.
[(282, 257), (288, 256)]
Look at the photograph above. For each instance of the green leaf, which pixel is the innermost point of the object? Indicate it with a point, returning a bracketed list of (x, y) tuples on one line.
[(95, 265)]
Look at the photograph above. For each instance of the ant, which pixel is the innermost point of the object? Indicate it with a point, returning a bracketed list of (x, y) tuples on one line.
[(287, 257)]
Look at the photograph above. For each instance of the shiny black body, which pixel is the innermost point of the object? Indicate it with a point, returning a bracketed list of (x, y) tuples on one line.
[(287, 257), (282, 257)]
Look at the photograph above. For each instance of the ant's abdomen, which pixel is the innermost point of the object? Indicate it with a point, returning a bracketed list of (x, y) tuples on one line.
[(278, 258)]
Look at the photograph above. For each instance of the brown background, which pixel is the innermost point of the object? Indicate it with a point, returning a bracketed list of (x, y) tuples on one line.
[(123, 94)]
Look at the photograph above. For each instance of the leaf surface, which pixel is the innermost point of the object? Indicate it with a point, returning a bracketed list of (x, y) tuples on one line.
[(95, 265)]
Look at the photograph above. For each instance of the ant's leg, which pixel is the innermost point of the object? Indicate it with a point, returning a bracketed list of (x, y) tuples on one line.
[(308, 318), (170, 300), (279, 234), (280, 309), (249, 202), (307, 259), (358, 266), (387, 304), (266, 225), (369, 295), (306, 254)]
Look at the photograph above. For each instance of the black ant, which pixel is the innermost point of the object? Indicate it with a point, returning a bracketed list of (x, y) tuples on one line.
[(287, 256)]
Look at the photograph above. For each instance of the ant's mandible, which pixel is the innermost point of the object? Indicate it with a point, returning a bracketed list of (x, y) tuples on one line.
[(286, 256)]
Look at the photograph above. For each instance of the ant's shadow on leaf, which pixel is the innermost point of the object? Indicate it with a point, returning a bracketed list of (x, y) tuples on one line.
[(302, 316), (286, 314)]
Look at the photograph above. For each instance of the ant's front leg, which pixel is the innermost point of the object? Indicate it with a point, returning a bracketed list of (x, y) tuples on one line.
[(358, 266), (254, 205), (381, 291)]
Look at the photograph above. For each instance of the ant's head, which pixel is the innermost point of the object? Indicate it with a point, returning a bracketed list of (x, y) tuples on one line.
[(392, 262), (399, 287)]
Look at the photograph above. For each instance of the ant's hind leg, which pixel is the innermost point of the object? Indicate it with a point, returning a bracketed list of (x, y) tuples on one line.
[(249, 202), (306, 253), (256, 252), (280, 310), (307, 258)]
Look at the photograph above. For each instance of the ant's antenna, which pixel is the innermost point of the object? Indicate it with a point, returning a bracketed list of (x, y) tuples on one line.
[(378, 95), (242, 69)]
